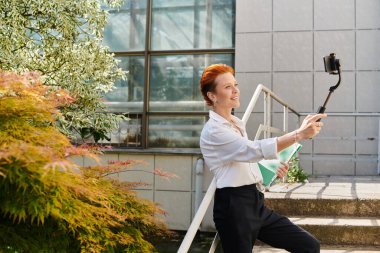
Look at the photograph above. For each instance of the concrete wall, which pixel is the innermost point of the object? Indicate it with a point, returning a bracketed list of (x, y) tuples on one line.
[(280, 43), (176, 196)]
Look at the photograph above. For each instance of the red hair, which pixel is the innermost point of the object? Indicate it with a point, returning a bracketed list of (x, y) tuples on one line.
[(207, 83)]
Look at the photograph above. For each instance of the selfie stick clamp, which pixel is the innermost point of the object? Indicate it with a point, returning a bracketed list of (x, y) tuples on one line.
[(332, 66)]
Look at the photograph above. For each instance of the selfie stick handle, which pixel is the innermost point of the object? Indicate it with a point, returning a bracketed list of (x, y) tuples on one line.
[(322, 109)]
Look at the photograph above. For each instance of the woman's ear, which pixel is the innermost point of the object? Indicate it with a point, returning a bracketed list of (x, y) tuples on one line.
[(211, 96)]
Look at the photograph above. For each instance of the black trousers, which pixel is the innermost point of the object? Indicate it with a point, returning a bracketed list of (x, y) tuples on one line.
[(240, 218)]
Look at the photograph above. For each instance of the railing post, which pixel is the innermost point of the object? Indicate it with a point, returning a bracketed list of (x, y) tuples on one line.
[(252, 103), (189, 237), (285, 126), (265, 113), (378, 151), (198, 183), (267, 117), (214, 244)]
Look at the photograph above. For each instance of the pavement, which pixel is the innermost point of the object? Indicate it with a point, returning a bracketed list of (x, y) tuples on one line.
[(329, 187), (266, 249)]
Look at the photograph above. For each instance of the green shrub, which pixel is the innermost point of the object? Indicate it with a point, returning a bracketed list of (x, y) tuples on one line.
[(295, 173), (62, 40), (49, 204)]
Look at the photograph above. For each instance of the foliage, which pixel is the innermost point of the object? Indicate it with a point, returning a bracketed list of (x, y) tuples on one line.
[(49, 204), (62, 40), (296, 173)]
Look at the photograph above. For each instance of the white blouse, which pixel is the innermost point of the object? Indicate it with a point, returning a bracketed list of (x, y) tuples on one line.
[(230, 155)]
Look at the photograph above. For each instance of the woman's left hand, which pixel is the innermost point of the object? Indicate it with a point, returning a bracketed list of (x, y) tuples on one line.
[(282, 170)]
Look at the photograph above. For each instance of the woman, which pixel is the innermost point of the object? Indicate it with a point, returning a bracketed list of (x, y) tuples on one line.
[(239, 213)]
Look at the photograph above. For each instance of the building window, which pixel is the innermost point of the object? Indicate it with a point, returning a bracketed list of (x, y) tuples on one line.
[(164, 45), (184, 24)]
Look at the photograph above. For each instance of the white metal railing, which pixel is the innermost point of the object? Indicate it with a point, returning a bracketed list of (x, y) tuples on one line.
[(378, 151), (267, 129)]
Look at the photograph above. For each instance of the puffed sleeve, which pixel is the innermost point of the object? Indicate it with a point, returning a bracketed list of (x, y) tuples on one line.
[(225, 145)]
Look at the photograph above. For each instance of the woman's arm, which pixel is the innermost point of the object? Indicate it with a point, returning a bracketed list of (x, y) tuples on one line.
[(309, 128)]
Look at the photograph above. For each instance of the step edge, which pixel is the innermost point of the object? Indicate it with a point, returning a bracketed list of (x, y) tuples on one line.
[(333, 221)]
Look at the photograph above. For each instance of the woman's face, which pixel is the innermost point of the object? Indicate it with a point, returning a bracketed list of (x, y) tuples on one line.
[(226, 92)]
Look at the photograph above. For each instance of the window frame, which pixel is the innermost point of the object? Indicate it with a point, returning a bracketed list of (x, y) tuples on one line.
[(147, 53)]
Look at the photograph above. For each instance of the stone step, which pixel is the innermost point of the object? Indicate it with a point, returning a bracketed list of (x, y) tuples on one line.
[(324, 249), (336, 210), (324, 207), (331, 188), (328, 196), (342, 231)]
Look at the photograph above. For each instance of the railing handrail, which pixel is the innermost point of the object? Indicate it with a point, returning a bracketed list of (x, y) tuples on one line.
[(199, 215), (256, 96)]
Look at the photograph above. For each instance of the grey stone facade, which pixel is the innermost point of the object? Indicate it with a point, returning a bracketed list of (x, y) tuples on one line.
[(280, 43)]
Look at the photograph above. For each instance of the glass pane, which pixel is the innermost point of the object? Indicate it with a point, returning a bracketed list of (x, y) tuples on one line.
[(202, 24), (128, 94), (128, 134), (174, 81), (175, 132), (173, 3), (125, 30)]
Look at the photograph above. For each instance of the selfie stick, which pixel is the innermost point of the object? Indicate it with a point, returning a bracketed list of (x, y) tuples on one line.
[(332, 65)]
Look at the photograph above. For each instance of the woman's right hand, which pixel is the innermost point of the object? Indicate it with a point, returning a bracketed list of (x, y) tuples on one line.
[(310, 127)]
